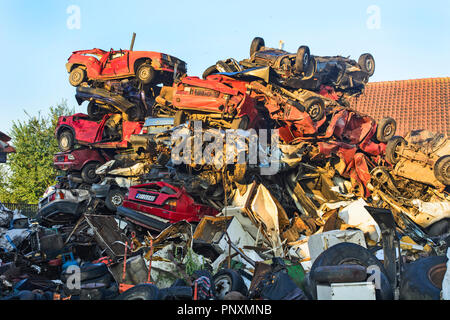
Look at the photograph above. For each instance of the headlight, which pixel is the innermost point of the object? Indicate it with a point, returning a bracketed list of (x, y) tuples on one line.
[(70, 157)]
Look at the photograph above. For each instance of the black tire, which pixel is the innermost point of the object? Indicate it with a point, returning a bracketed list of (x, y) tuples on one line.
[(386, 128), (94, 111), (66, 140), (176, 293), (350, 253), (367, 63), (180, 118), (227, 280), (302, 59), (77, 76), (88, 173), (256, 45), (439, 228), (145, 73), (209, 71), (223, 65), (241, 123), (420, 279), (114, 199), (143, 291), (315, 107), (442, 169), (391, 149)]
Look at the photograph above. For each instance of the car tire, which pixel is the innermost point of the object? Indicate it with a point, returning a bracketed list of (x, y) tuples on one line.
[(315, 107), (439, 228), (442, 169), (420, 279), (227, 280), (88, 173), (145, 73), (302, 59), (77, 76), (391, 149), (241, 123), (386, 128), (367, 63), (143, 291), (114, 199), (176, 293), (345, 253), (66, 141), (209, 71), (256, 45), (180, 118)]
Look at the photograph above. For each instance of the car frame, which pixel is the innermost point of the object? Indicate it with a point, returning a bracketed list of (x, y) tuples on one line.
[(156, 205), (81, 129), (83, 161), (100, 65)]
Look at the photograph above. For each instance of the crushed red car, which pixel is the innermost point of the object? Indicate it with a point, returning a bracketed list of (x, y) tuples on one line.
[(156, 205), (111, 131), (218, 99), (83, 161), (100, 65)]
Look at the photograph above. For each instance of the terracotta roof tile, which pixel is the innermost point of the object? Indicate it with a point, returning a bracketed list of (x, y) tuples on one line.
[(414, 104)]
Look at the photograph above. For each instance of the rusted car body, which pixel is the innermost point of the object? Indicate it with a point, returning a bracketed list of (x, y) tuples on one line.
[(109, 132), (101, 65)]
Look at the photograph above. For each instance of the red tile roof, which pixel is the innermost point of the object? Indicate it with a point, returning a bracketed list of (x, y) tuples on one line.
[(414, 104)]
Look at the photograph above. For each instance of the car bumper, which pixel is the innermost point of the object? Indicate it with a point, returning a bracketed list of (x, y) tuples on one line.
[(143, 219), (60, 212)]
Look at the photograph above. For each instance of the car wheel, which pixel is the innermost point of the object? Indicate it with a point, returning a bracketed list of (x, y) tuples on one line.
[(240, 123), (367, 63), (315, 107), (227, 280), (392, 149), (180, 118), (442, 169), (302, 59), (77, 76), (88, 173), (256, 45), (145, 73), (66, 141), (114, 199), (422, 279), (143, 291), (386, 128), (209, 71), (439, 228), (350, 253)]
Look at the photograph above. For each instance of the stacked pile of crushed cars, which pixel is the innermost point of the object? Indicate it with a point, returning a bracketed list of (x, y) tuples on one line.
[(350, 202)]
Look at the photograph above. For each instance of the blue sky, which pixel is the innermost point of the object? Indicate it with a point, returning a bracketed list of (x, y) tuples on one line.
[(412, 41)]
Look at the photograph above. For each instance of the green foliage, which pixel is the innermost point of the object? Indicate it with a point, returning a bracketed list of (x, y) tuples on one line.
[(30, 170)]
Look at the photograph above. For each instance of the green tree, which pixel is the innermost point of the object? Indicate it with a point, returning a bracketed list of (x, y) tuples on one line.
[(30, 170)]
